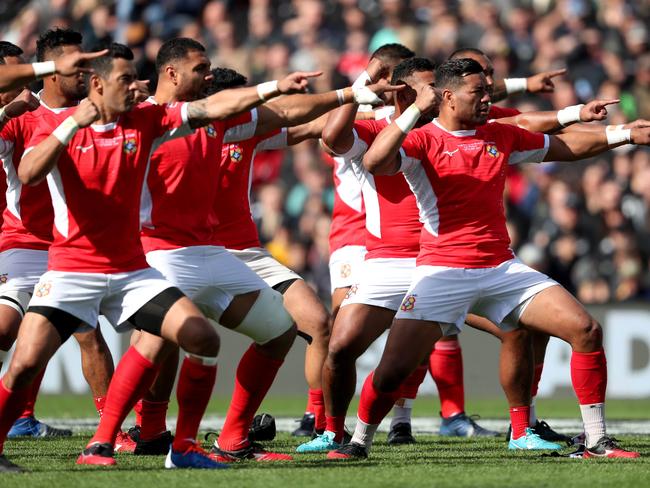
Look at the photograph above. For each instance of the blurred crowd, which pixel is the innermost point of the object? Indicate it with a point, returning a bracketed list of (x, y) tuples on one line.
[(586, 224)]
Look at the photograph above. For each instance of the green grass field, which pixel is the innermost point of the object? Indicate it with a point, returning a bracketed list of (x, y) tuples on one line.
[(434, 461)]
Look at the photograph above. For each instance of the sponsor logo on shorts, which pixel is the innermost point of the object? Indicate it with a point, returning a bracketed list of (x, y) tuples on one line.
[(43, 289), (235, 153), (4, 277), (130, 145), (346, 270), (492, 150), (408, 303), (351, 292), (210, 130)]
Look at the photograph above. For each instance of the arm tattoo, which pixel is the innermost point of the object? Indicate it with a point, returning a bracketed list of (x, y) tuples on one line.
[(197, 113)]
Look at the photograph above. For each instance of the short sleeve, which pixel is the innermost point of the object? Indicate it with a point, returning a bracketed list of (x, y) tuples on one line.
[(525, 146), (365, 132), (276, 139), (43, 130), (7, 137), (240, 127), (413, 150)]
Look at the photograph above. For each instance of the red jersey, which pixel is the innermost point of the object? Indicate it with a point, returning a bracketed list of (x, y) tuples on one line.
[(392, 217), (458, 179), (28, 215), (502, 112), (177, 208), (96, 188), (235, 227)]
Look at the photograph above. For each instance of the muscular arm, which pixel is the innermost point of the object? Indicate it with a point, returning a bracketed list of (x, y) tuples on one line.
[(534, 121), (499, 91), (37, 163), (310, 130), (222, 105), (573, 146), (337, 133), (14, 76), (383, 157)]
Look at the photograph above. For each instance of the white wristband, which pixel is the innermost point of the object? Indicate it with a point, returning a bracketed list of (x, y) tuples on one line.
[(43, 69), (569, 115), (66, 130), (616, 134), (362, 80), (340, 95), (515, 85), (408, 119), (3, 115), (266, 89)]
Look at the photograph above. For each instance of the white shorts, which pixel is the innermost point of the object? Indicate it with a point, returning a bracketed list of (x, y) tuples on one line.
[(117, 296), (266, 266), (447, 295), (383, 283), (346, 264), (209, 275), (20, 269)]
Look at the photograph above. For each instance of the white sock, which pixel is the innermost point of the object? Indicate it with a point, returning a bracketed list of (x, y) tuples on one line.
[(364, 433), (593, 418), (402, 412), (532, 419)]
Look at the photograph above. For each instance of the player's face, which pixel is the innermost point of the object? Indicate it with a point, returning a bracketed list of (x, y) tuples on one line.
[(488, 68), (72, 87), (407, 96), (120, 87), (472, 100), (192, 76), (8, 96)]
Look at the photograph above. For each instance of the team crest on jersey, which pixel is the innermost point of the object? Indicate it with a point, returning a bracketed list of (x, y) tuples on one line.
[(210, 130), (43, 289), (346, 270), (408, 303), (351, 292), (235, 153), (130, 145), (3, 278), (492, 150)]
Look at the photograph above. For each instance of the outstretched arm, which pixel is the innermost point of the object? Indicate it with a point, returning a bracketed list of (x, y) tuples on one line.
[(550, 121), (539, 83), (298, 109), (41, 159), (24, 102), (14, 76), (573, 146), (228, 103)]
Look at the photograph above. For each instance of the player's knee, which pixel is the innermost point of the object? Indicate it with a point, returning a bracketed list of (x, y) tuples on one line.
[(340, 352), (319, 326), (589, 334), (268, 320), (199, 338), (22, 372), (391, 379)]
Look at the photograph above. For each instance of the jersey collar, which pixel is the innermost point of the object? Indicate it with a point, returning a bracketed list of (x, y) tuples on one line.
[(456, 133)]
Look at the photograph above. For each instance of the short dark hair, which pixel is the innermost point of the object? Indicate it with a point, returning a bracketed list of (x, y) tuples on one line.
[(7, 49), (53, 39), (393, 52), (409, 66), (103, 65), (460, 53), (450, 74), (176, 48), (224, 78)]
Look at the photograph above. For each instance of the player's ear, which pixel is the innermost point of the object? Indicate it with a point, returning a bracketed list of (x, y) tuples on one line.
[(96, 83), (171, 73), (448, 98)]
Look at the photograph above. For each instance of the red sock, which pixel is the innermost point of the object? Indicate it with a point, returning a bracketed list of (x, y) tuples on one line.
[(589, 376), (374, 405), (195, 384), (132, 378), (412, 383), (11, 404), (254, 377), (154, 416), (336, 425), (100, 403), (138, 412), (519, 420), (536, 377), (446, 367), (310, 407), (318, 408), (28, 411)]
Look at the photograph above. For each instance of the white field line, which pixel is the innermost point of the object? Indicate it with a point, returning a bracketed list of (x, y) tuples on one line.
[(421, 425)]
